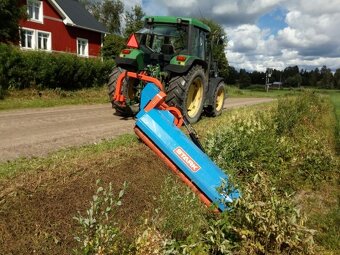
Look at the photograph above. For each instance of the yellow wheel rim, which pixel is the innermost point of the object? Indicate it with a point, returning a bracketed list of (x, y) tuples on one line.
[(195, 97), (219, 99)]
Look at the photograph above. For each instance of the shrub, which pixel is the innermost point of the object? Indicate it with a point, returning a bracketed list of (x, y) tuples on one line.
[(293, 111), (287, 142), (263, 221), (27, 69), (112, 46), (179, 211), (248, 144)]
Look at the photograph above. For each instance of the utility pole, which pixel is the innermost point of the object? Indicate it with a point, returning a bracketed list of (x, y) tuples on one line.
[(269, 72)]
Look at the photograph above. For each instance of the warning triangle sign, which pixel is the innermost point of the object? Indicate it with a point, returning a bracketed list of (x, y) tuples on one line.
[(132, 42)]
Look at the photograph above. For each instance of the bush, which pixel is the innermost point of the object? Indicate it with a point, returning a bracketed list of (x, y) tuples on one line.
[(99, 233), (36, 69), (263, 221), (287, 143), (293, 111), (112, 46), (248, 144)]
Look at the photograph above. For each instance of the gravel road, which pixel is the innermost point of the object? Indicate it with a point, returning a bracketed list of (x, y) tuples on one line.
[(36, 132)]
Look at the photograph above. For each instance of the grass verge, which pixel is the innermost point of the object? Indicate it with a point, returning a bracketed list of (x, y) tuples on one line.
[(31, 98), (335, 98)]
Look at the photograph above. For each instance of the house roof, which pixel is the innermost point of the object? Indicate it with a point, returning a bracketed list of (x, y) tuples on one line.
[(74, 14)]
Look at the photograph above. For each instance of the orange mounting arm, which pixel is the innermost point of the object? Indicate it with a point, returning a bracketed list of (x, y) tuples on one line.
[(118, 96), (159, 102)]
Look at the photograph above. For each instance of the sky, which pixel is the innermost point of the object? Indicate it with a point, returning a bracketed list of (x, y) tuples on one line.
[(266, 33)]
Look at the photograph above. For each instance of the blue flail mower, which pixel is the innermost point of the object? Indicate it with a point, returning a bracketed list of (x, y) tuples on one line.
[(158, 126)]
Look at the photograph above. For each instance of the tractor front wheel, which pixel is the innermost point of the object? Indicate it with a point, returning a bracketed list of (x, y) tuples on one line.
[(218, 101), (188, 92)]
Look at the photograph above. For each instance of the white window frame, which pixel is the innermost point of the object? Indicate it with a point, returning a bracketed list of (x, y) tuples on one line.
[(35, 40), (39, 5), (48, 43), (32, 40), (85, 51)]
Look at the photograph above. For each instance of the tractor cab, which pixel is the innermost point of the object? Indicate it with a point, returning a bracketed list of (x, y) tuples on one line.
[(163, 39), (168, 40)]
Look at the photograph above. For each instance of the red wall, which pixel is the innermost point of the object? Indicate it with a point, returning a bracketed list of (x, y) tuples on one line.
[(64, 38)]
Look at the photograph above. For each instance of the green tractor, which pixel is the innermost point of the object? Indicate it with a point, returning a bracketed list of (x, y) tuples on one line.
[(178, 52)]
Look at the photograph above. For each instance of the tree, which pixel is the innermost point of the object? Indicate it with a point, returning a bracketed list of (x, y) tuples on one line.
[(232, 75), (314, 77), (10, 14), (112, 46), (134, 20), (219, 43), (257, 77), (290, 71), (337, 79), (277, 75), (107, 12), (294, 81), (326, 78), (244, 80)]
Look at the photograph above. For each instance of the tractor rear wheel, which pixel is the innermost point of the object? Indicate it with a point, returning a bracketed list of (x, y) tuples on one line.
[(218, 101), (188, 92), (127, 111)]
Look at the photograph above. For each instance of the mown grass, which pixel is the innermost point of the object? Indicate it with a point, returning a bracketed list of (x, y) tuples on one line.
[(32, 98), (65, 157)]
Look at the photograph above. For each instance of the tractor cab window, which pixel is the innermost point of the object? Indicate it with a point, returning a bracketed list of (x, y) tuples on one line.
[(199, 43), (164, 39)]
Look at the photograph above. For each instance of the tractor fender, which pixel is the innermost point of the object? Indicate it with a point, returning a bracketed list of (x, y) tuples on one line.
[(180, 69), (212, 85)]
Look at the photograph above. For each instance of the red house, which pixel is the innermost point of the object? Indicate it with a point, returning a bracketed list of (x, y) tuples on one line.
[(61, 26)]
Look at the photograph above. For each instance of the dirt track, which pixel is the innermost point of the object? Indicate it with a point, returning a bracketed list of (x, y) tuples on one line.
[(36, 132)]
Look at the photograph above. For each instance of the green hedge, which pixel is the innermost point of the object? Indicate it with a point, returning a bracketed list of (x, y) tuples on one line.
[(26, 69)]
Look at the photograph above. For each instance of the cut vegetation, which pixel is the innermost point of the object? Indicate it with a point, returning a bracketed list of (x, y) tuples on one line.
[(281, 155)]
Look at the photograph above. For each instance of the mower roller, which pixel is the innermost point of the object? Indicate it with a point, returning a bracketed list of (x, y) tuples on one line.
[(158, 126)]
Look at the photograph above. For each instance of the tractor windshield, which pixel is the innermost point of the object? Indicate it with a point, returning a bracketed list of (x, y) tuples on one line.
[(164, 38)]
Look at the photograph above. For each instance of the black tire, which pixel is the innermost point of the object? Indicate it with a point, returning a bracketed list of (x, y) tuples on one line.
[(121, 111), (218, 100), (178, 93)]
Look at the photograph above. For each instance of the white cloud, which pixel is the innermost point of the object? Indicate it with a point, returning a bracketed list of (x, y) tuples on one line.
[(310, 39), (131, 3)]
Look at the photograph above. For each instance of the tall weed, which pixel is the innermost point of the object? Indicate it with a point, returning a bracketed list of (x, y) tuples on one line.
[(287, 143), (99, 232), (264, 221)]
